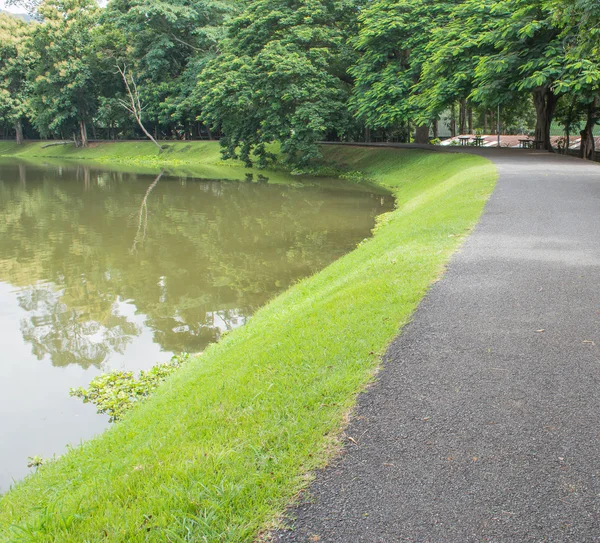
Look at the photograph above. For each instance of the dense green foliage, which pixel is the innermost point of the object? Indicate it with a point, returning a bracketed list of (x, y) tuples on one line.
[(167, 45), (222, 446), (15, 66), (300, 71), (63, 74), (392, 46), (282, 77)]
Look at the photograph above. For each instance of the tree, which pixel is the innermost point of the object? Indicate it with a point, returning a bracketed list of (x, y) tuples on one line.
[(451, 56), (15, 63), (281, 77), (166, 44), (391, 46), (63, 89), (568, 114), (580, 30), (496, 52), (133, 104), (529, 57)]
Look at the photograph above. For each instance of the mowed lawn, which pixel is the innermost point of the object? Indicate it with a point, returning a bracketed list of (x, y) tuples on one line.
[(221, 449)]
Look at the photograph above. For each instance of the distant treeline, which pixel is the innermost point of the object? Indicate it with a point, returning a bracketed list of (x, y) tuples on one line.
[(298, 71)]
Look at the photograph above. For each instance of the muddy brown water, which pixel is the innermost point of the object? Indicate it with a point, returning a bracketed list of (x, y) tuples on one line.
[(104, 270)]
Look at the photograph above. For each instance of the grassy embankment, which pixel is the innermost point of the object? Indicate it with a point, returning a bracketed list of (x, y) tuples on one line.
[(178, 157), (197, 152), (186, 159), (199, 159), (226, 443)]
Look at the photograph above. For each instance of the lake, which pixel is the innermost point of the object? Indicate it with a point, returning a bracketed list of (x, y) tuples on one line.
[(103, 269)]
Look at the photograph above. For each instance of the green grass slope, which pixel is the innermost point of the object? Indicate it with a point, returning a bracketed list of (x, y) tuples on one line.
[(195, 158), (196, 151), (220, 450), (198, 159)]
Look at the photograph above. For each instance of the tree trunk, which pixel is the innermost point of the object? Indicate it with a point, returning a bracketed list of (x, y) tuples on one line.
[(422, 134), (367, 134), (485, 121), (83, 132), (462, 118), (453, 121), (135, 106), (544, 101), (19, 132), (587, 147), (470, 118), (435, 129)]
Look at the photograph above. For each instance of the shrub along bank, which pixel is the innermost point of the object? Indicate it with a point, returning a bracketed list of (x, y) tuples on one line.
[(226, 443)]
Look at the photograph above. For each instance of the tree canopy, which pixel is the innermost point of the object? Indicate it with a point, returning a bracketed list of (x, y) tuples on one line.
[(15, 64), (282, 76), (294, 72)]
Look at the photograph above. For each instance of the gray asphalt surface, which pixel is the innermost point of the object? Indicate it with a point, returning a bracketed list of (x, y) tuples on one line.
[(484, 424)]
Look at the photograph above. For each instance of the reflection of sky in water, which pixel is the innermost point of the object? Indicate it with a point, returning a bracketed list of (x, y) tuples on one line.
[(105, 270)]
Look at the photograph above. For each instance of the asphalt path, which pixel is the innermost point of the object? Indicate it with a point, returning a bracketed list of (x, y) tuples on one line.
[(484, 423)]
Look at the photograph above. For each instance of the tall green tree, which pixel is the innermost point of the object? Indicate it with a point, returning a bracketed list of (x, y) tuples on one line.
[(63, 78), (580, 31), (496, 52), (392, 47), (282, 77), (452, 52), (529, 57), (165, 43), (15, 64)]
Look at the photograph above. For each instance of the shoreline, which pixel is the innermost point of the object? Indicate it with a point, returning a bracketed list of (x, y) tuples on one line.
[(197, 159), (231, 439)]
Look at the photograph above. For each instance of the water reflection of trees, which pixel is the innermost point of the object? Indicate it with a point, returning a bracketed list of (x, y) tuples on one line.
[(212, 253), (73, 335)]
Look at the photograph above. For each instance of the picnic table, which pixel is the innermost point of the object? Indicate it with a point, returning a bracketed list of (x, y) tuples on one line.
[(526, 143), (478, 141), (530, 144), (464, 140)]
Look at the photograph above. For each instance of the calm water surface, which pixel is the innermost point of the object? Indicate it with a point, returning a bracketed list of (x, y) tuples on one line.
[(104, 270)]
